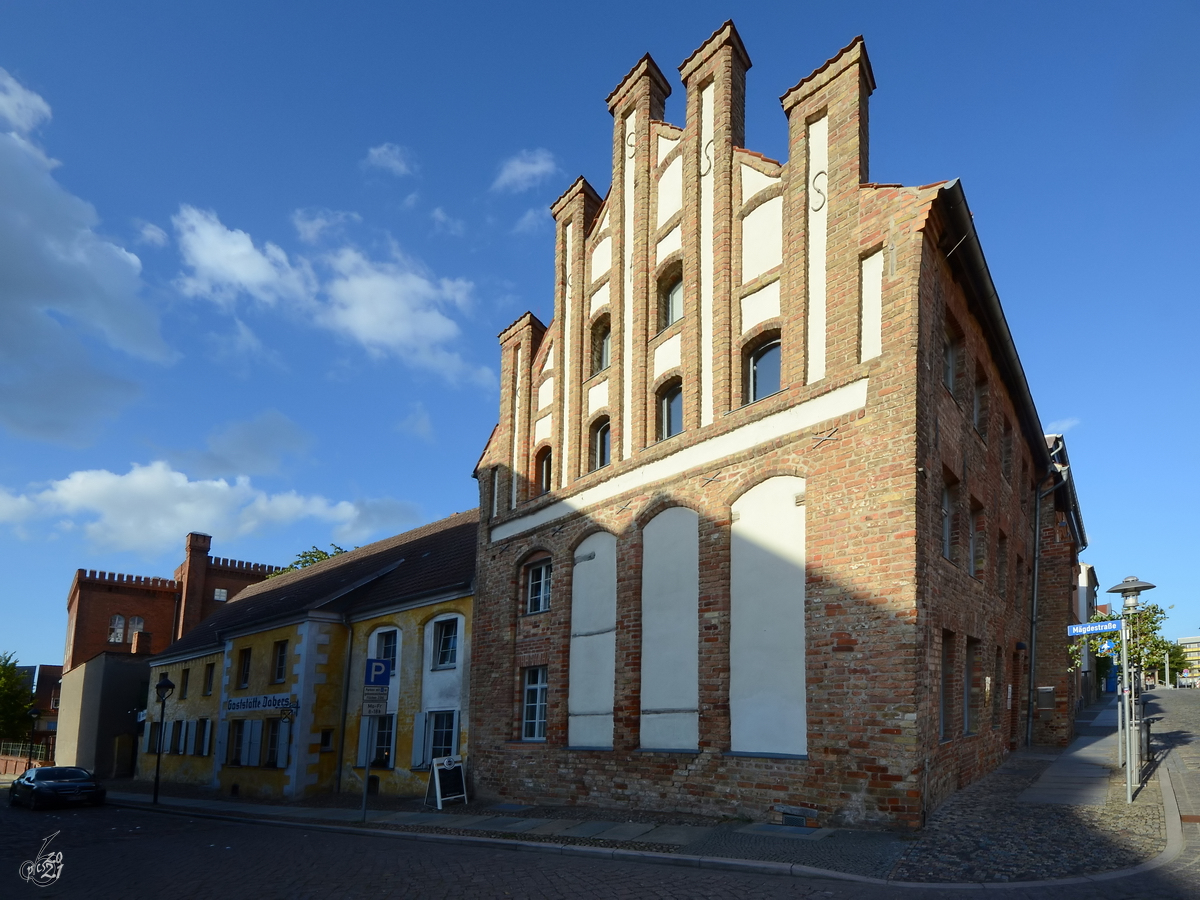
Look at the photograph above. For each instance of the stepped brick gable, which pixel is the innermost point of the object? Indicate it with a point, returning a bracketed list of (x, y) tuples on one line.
[(757, 519)]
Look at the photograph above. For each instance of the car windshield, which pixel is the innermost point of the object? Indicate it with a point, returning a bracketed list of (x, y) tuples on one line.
[(62, 773)]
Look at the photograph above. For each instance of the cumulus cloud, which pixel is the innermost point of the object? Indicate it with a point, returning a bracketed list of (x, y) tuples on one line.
[(533, 220), (445, 224), (526, 169), (225, 263), (146, 509), (1062, 426), (59, 280), (391, 158), (391, 306), (151, 234), (312, 224), (252, 447)]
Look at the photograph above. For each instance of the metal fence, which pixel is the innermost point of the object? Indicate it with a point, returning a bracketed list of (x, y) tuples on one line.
[(12, 748)]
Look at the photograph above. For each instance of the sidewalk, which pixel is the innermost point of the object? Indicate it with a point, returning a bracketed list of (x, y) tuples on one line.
[(1044, 814)]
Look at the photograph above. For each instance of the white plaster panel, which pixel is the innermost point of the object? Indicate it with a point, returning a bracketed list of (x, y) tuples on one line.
[(754, 181), (837, 402), (763, 304), (665, 146), (818, 224), (672, 241), (667, 354), (598, 396), (599, 299), (590, 731), (594, 585), (543, 428), (548, 362), (442, 688), (670, 191), (592, 679), (601, 258), (762, 239), (628, 198), (545, 393), (670, 731), (766, 633), (670, 623), (707, 262), (871, 339)]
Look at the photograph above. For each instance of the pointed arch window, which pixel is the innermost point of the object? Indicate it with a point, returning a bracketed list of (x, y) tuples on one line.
[(116, 630)]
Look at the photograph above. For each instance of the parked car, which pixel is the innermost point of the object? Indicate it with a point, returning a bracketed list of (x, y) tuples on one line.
[(50, 785)]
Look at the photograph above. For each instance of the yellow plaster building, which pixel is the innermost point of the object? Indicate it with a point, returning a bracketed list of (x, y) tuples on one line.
[(269, 690)]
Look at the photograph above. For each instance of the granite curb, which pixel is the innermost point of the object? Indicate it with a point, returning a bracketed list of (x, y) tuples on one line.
[(1175, 845)]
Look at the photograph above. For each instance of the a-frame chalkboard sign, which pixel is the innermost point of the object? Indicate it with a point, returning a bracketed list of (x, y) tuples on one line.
[(447, 781)]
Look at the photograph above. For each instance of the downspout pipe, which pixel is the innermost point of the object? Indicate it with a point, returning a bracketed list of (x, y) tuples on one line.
[(1039, 496)]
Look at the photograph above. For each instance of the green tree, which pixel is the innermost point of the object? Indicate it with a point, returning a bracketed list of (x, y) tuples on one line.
[(1147, 646), (306, 558), (15, 701)]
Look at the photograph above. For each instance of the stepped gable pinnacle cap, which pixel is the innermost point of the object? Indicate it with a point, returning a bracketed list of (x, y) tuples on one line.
[(726, 34), (436, 557), (855, 51), (579, 185), (644, 66)]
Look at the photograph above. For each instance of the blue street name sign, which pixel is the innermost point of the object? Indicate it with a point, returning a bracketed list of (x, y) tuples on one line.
[(1092, 628), (379, 672)]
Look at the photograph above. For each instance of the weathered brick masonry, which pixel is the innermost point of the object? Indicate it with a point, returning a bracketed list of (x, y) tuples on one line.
[(902, 678)]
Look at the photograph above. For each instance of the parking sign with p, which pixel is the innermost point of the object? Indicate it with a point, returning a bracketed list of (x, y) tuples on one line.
[(379, 672)]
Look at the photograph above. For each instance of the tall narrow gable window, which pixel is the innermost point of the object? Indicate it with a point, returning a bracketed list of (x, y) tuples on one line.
[(670, 411), (601, 444), (385, 648), (533, 720), (765, 371), (116, 630), (538, 586), (445, 644), (279, 665), (244, 668)]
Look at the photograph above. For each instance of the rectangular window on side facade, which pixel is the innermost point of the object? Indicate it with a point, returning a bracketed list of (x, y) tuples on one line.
[(441, 734), (326, 740), (203, 727), (949, 504), (1002, 566), (533, 718), (184, 677), (979, 405), (945, 691), (977, 552), (210, 671), (244, 668), (997, 680), (220, 594), (237, 733), (445, 644), (972, 687), (279, 666), (539, 577), (1006, 451)]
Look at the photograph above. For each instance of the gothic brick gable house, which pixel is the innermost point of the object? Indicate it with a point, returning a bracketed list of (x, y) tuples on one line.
[(757, 519)]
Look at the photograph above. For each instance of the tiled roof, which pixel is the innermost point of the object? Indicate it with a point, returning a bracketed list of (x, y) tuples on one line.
[(435, 557)]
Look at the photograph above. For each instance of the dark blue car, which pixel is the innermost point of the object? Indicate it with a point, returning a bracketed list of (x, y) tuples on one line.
[(56, 786)]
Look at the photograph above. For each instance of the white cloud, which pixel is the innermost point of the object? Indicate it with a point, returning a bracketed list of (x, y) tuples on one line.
[(444, 224), (151, 234), (312, 224), (59, 280), (1062, 426), (225, 262), (391, 158), (149, 507), (526, 169), (388, 306), (417, 423), (252, 447), (20, 108), (533, 220)]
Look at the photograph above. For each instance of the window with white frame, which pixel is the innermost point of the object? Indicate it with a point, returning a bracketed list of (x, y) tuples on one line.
[(538, 579), (445, 643), (136, 624), (670, 410), (244, 668), (279, 664), (220, 595), (382, 757), (116, 630), (533, 719), (441, 734), (272, 756), (386, 644)]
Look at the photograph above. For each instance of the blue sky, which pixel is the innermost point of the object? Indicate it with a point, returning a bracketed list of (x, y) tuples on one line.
[(254, 257)]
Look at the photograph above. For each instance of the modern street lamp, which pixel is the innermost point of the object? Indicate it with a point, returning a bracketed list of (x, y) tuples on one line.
[(34, 715), (163, 689), (1129, 589)]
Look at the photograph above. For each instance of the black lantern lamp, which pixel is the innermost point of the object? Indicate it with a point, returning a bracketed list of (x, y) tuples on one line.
[(164, 689)]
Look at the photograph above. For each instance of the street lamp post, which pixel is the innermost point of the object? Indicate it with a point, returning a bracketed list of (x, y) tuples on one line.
[(1129, 589), (163, 689), (34, 715)]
